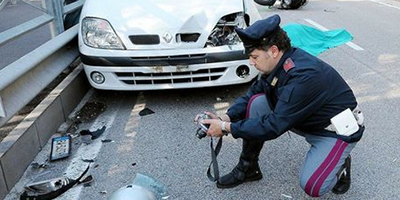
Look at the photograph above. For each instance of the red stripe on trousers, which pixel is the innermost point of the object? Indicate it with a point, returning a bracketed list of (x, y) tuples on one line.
[(251, 101), (310, 183), (321, 180)]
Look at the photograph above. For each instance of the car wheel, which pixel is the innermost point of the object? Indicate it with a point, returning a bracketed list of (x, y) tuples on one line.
[(293, 4), (265, 2)]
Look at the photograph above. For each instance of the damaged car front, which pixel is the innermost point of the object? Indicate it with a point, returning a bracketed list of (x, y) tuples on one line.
[(163, 44)]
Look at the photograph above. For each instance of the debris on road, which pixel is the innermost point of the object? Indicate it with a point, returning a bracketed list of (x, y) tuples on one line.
[(107, 141), (50, 189), (87, 182), (145, 111), (94, 134), (38, 166), (90, 110), (60, 147), (287, 196), (88, 160)]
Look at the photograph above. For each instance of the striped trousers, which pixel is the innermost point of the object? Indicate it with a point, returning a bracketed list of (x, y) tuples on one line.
[(323, 160)]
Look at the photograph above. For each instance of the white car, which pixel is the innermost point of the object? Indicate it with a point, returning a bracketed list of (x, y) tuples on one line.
[(164, 44)]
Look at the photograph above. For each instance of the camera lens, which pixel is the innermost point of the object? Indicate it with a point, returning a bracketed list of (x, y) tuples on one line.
[(200, 134)]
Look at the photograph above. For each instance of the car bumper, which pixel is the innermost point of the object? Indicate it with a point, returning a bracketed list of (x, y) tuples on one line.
[(169, 71)]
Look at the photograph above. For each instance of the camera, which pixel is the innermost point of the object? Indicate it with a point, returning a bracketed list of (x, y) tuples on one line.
[(203, 128)]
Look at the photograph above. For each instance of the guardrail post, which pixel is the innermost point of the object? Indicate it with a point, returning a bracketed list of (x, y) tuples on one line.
[(56, 9)]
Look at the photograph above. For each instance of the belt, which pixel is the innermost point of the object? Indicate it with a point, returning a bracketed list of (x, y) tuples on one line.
[(357, 114)]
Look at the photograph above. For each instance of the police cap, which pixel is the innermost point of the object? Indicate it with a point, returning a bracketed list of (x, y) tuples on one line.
[(253, 35)]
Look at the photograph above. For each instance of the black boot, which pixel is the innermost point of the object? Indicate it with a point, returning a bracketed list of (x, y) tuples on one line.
[(247, 169), (344, 180)]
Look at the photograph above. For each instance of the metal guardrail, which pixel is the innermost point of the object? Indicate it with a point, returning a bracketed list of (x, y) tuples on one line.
[(23, 79), (3, 3)]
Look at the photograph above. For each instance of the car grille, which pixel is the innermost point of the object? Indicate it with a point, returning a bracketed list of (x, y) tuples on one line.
[(139, 78), (187, 37), (170, 60), (145, 39)]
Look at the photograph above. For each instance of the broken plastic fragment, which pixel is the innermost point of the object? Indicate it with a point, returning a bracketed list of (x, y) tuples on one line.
[(36, 165), (145, 111), (87, 181), (49, 189), (88, 160), (46, 186), (95, 134)]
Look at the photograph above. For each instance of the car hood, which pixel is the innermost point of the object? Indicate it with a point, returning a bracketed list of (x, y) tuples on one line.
[(160, 17)]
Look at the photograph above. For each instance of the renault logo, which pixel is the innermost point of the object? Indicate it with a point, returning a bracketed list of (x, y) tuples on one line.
[(167, 37)]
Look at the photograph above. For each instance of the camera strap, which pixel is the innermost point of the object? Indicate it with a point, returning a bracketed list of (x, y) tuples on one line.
[(214, 162)]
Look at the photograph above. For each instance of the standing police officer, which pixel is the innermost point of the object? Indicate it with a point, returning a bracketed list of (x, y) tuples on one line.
[(297, 92)]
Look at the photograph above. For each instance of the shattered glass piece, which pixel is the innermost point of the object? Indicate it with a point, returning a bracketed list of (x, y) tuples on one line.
[(145, 111), (86, 139)]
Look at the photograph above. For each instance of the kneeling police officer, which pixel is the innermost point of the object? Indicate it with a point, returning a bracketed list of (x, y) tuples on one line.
[(296, 92)]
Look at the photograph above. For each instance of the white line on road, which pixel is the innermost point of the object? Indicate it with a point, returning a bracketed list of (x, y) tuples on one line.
[(350, 44), (86, 151), (385, 4), (91, 151)]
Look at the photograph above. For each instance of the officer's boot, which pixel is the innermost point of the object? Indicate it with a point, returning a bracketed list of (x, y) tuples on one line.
[(344, 179), (247, 169)]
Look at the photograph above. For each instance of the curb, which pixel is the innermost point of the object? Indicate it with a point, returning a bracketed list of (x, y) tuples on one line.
[(21, 146)]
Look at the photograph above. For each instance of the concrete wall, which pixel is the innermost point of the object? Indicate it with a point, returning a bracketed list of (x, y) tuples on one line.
[(22, 145)]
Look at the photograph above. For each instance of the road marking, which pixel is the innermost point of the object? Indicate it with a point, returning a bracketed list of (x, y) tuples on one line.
[(87, 151), (91, 151), (350, 44), (385, 4)]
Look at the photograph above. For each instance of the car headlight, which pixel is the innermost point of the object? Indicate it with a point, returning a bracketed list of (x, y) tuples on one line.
[(98, 33), (224, 32)]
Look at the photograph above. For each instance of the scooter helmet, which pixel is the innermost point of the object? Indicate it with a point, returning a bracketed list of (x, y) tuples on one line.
[(133, 192)]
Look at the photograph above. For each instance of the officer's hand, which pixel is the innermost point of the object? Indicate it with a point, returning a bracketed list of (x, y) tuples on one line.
[(211, 115), (215, 127)]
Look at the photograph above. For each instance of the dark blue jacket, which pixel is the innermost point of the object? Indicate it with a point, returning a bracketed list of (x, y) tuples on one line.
[(308, 93)]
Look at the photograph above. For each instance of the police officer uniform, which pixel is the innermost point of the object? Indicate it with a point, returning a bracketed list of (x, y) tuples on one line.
[(301, 94)]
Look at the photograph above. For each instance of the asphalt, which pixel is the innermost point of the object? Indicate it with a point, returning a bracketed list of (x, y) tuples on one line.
[(163, 144)]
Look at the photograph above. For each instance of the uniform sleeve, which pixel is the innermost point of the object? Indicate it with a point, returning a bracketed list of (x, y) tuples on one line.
[(238, 110), (301, 97)]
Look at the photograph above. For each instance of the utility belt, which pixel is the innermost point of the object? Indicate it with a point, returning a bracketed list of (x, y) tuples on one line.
[(347, 122)]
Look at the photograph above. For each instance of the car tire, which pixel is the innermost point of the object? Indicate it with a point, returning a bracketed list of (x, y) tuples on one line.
[(265, 2), (293, 4)]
